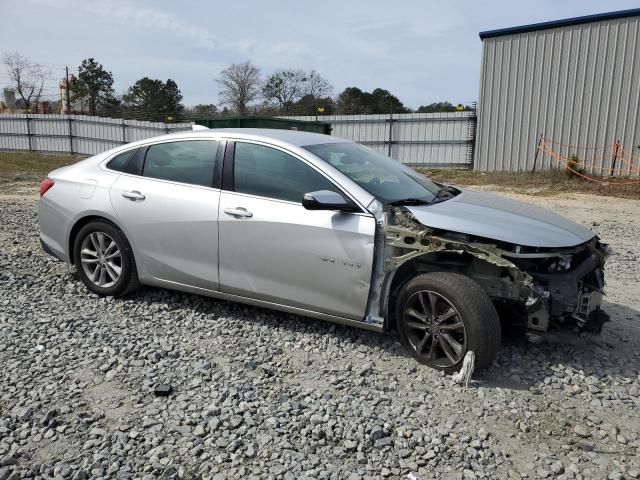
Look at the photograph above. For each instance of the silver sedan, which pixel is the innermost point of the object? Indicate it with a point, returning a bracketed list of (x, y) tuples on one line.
[(324, 228)]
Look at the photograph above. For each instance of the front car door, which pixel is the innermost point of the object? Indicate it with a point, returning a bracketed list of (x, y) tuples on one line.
[(273, 249), (169, 207)]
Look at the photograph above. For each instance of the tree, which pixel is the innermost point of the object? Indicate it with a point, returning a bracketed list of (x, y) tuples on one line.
[(26, 77), (442, 107), (285, 87), (239, 85), (317, 86), (354, 101), (203, 110), (309, 105), (384, 102), (95, 84), (154, 99)]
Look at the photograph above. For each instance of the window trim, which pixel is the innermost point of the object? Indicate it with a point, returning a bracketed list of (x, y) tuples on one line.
[(228, 171), (142, 153)]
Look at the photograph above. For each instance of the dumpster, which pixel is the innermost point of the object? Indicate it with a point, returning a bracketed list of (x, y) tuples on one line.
[(265, 122)]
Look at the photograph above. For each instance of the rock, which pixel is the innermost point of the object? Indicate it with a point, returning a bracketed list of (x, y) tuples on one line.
[(350, 445), (23, 414), (199, 431), (557, 467), (543, 473), (376, 434), (581, 431), (8, 460), (383, 442), (234, 445)]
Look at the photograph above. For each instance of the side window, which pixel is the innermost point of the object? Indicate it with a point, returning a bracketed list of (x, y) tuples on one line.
[(267, 172), (190, 161), (119, 162)]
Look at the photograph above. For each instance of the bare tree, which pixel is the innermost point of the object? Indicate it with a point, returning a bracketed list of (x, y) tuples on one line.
[(317, 86), (285, 87), (239, 86), (27, 78)]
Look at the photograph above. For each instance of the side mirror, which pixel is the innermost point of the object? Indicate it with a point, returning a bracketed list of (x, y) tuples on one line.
[(327, 200)]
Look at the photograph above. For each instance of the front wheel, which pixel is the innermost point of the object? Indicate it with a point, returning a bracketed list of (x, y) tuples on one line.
[(441, 316), (104, 260)]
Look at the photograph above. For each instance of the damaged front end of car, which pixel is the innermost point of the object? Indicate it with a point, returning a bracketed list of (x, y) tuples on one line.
[(533, 288)]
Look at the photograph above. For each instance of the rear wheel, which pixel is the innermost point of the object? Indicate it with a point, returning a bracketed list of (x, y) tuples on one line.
[(441, 316), (104, 259)]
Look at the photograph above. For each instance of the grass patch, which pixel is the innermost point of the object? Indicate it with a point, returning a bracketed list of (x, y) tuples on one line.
[(31, 166), (547, 183)]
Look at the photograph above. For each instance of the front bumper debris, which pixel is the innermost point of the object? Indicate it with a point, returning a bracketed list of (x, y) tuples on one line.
[(563, 286)]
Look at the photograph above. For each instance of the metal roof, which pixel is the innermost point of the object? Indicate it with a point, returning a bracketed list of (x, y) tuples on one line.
[(598, 17)]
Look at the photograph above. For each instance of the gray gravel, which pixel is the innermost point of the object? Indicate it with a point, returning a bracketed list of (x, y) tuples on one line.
[(259, 394)]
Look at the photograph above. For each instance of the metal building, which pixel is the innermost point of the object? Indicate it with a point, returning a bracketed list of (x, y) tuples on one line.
[(575, 81)]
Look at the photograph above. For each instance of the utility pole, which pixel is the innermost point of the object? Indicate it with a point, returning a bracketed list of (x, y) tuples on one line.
[(67, 99)]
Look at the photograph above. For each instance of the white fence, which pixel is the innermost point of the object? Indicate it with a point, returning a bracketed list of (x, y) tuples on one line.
[(418, 139), (76, 134)]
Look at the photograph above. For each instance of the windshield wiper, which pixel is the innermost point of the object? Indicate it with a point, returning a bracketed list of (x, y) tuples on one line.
[(451, 191), (409, 201), (437, 195)]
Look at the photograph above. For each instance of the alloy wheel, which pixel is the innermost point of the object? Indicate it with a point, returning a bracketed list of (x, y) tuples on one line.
[(101, 259), (435, 328)]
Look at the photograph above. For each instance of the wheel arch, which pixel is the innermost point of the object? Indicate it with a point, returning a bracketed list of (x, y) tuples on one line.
[(440, 261), (84, 220)]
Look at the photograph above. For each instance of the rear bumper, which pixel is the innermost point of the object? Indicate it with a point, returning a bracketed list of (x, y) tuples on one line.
[(50, 251), (54, 228)]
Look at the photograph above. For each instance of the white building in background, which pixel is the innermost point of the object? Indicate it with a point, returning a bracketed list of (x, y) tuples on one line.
[(575, 81)]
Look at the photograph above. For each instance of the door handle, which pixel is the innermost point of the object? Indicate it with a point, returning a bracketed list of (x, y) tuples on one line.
[(133, 195), (238, 212)]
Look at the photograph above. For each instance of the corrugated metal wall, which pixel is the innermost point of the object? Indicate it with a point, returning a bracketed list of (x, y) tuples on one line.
[(77, 134), (577, 85), (418, 139)]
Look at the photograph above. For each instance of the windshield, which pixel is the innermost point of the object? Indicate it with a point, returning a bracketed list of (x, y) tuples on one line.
[(386, 179)]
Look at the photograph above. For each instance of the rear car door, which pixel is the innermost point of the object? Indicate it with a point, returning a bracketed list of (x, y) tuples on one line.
[(167, 200), (273, 249)]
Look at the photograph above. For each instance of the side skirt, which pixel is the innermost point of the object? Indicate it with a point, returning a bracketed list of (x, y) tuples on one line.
[(264, 304)]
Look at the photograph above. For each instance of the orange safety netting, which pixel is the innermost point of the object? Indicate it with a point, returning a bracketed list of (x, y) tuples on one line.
[(546, 146)]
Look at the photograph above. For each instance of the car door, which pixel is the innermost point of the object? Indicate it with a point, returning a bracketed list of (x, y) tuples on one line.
[(273, 249), (169, 208)]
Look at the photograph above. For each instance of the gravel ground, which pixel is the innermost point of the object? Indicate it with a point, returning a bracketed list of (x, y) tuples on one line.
[(259, 394)]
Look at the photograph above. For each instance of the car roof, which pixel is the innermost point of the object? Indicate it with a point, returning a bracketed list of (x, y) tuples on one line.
[(293, 137)]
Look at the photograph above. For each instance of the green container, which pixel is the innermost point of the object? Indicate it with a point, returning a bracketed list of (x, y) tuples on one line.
[(264, 122)]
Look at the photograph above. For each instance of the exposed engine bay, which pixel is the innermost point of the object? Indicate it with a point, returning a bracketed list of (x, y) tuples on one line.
[(535, 287)]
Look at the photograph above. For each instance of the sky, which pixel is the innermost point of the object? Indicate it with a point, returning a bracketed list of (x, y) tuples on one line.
[(423, 51)]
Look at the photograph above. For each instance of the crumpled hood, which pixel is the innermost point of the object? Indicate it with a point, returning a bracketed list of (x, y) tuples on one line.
[(500, 218)]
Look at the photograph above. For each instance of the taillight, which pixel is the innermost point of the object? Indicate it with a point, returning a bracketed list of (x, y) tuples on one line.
[(46, 184)]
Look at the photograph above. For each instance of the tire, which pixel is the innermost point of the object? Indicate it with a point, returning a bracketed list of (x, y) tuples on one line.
[(465, 320), (94, 250)]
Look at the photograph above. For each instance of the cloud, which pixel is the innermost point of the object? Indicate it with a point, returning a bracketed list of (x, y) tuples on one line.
[(146, 18)]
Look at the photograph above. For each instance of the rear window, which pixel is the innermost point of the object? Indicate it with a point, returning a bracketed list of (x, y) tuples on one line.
[(119, 162)]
